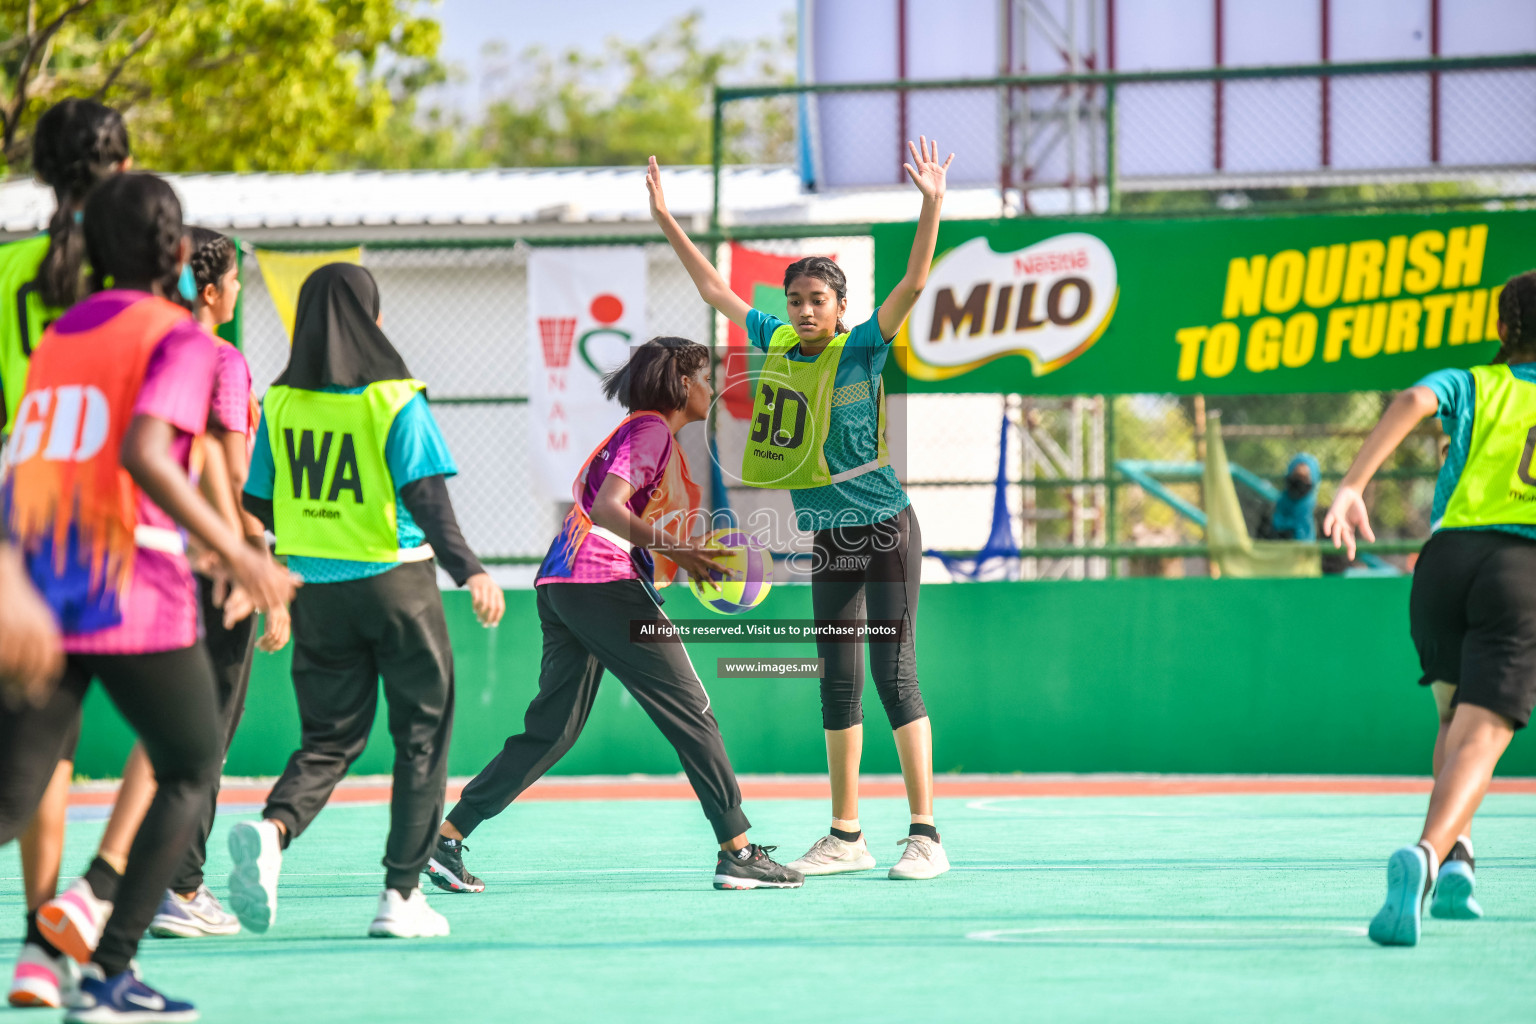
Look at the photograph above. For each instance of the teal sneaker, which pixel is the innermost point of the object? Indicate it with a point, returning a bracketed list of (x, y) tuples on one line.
[(1453, 892), (1397, 922)]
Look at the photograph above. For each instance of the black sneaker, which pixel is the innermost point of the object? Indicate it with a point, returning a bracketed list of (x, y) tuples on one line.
[(758, 871), (446, 867), (1459, 851)]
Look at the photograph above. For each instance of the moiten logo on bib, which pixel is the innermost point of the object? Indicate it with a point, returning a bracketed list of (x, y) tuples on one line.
[(1049, 303)]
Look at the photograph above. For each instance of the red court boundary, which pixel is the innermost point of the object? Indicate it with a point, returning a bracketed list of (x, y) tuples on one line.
[(247, 791)]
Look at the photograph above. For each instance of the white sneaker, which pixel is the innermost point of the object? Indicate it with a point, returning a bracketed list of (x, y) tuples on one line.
[(403, 918), (922, 858), (72, 921), (42, 979), (257, 850), (831, 855), (191, 918)]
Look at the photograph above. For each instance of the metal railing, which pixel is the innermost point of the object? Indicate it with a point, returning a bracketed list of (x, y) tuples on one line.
[(1114, 112)]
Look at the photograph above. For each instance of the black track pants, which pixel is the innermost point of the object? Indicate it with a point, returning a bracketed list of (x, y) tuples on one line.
[(345, 637), (587, 629), (231, 651)]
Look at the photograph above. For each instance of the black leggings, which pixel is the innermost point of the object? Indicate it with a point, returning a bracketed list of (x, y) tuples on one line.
[(168, 698), (230, 651), (879, 565)]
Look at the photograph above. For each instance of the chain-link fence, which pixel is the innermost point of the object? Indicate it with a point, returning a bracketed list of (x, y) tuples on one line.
[(1123, 474), (1082, 473), (1315, 134), (459, 316)]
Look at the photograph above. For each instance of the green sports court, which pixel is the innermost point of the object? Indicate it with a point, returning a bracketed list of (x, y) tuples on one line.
[(1149, 884), (1223, 906), (1068, 346)]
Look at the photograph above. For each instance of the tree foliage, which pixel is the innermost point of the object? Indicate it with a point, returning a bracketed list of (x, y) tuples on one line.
[(309, 85), (635, 99), (219, 85)]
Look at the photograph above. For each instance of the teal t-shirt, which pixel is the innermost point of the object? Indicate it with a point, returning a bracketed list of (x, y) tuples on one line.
[(1457, 395), (414, 450), (852, 436)]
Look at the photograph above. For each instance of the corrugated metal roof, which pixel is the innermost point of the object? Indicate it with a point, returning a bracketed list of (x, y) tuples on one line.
[(427, 200)]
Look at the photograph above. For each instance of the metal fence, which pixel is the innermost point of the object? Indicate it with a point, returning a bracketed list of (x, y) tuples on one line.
[(1303, 136), (459, 315)]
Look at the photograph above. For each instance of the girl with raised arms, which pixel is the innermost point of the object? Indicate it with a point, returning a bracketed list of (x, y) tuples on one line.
[(819, 430)]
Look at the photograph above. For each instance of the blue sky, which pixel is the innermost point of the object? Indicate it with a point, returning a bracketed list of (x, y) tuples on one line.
[(561, 24)]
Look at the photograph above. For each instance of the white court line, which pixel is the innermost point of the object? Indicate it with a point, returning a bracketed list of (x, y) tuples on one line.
[(1016, 809), (1013, 806), (1201, 932)]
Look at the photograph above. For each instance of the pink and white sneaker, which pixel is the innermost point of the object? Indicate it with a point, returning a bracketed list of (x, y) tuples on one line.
[(72, 921), (42, 979)]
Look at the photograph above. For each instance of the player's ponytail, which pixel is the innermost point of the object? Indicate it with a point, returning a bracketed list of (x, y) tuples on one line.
[(653, 377), (1517, 311), (824, 270), (78, 143)]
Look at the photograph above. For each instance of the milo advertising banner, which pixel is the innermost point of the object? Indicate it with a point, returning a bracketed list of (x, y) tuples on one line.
[(1235, 306)]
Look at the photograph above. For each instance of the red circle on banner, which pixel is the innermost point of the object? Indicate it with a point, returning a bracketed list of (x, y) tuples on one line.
[(607, 308)]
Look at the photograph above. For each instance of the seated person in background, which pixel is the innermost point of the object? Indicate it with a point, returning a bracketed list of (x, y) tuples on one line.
[(1293, 517)]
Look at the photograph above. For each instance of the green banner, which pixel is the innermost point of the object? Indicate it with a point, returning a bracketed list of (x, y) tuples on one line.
[(1232, 306)]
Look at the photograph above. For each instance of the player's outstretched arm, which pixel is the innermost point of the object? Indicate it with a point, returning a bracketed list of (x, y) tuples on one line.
[(1347, 514), (712, 287), (928, 175)]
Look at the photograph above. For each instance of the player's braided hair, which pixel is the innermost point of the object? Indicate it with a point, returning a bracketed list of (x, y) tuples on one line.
[(653, 377), (133, 233), (1517, 311), (77, 144), (213, 255), (824, 270)]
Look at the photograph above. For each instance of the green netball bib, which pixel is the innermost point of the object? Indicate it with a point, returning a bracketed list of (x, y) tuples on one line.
[(792, 415), (333, 495), (1498, 485)]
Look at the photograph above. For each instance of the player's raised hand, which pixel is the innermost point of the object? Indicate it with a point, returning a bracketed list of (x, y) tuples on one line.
[(1345, 517), (653, 186), (925, 170)]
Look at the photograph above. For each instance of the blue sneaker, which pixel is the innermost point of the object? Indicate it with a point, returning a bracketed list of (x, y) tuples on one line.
[(1453, 893), (1397, 922), (122, 998)]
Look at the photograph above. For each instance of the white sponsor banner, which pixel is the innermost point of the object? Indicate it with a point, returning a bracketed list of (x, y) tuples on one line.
[(1053, 301), (586, 307)]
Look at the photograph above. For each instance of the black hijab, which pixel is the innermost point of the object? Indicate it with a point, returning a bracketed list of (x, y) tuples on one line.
[(336, 336)]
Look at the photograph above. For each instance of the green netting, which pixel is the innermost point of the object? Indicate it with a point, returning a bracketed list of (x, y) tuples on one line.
[(1089, 909)]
